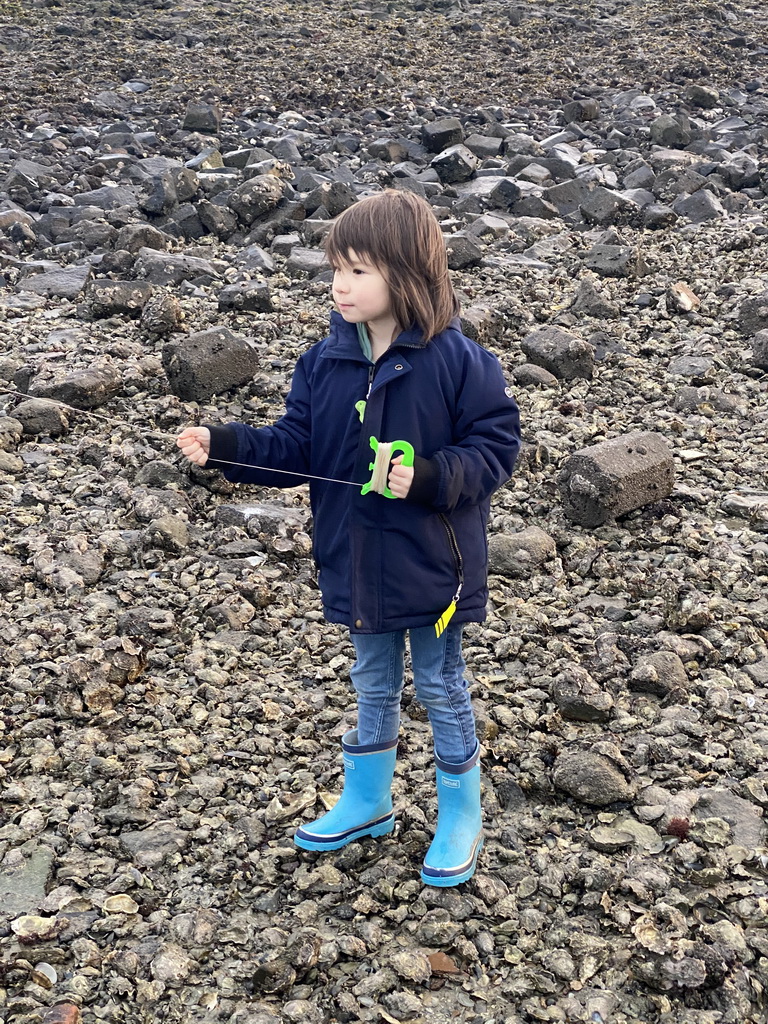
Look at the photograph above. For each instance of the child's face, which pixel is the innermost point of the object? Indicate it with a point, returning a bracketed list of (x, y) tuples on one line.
[(361, 292)]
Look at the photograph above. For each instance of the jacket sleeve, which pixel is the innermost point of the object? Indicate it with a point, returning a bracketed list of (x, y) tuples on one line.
[(284, 446), (487, 432)]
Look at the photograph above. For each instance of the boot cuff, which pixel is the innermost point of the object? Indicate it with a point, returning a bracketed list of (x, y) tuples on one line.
[(350, 744), (458, 769)]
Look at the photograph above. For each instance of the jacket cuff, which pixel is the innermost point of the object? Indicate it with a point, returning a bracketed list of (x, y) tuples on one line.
[(223, 446), (426, 480)]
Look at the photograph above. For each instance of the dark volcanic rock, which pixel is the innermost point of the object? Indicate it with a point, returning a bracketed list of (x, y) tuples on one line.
[(564, 354), (208, 363), (109, 297)]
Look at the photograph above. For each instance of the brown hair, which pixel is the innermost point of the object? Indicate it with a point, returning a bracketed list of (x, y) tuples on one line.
[(399, 234)]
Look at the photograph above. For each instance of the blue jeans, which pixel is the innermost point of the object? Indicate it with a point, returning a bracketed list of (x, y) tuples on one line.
[(438, 677)]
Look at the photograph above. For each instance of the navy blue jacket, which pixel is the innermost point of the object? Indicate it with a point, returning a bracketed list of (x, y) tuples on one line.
[(387, 564)]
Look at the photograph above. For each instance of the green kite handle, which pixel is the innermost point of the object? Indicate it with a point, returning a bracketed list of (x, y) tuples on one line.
[(398, 447)]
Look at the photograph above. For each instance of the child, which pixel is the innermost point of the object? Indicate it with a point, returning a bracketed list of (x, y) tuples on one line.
[(394, 367)]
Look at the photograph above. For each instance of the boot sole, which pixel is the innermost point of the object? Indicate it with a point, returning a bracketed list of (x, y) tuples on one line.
[(444, 881), (379, 828)]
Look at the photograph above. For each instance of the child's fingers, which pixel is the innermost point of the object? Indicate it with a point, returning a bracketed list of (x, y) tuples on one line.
[(400, 479), (397, 460)]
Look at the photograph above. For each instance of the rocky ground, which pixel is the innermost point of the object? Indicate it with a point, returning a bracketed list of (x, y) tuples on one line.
[(171, 698)]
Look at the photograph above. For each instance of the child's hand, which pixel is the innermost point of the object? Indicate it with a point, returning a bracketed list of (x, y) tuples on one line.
[(195, 443), (400, 478)]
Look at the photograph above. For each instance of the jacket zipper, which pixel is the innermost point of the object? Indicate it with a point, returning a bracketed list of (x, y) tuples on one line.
[(458, 560)]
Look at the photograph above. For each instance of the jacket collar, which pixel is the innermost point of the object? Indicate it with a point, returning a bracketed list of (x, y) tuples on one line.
[(343, 342)]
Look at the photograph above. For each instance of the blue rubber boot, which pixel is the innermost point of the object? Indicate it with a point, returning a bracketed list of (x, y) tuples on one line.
[(452, 857), (365, 805)]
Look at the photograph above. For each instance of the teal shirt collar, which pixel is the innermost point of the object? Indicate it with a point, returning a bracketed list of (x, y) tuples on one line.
[(365, 341)]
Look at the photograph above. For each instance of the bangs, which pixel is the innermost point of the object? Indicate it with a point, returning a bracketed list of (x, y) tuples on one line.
[(360, 230)]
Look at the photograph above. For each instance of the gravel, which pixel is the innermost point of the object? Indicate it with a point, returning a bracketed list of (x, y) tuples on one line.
[(171, 701)]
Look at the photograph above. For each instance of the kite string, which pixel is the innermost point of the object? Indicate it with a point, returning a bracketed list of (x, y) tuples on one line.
[(114, 421)]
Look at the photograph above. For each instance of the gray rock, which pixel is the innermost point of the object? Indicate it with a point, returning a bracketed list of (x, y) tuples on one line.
[(134, 237), (535, 206), (12, 575), (564, 354), (146, 623), (603, 206), (567, 196), (704, 96), (488, 227), (84, 389), (615, 477), (561, 162), (256, 197), (24, 875), (91, 234), (455, 164), (151, 847), (752, 315), (463, 251), (252, 296), (255, 258), (700, 370), (66, 283), (614, 261), (592, 778), (202, 117), (287, 150), (746, 820), (740, 170), (505, 194), (168, 532), (528, 374), (209, 159), (481, 323), (109, 197), (217, 219), (184, 222), (162, 196), (642, 175), (442, 134), (759, 357), (676, 181), (484, 147), (306, 261), (259, 519), (40, 417), (390, 150), (165, 268), (579, 697), (590, 301), (671, 130), (699, 207), (208, 363), (520, 555), (335, 197), (109, 297), (661, 673), (161, 314), (657, 216), (582, 110), (282, 245)]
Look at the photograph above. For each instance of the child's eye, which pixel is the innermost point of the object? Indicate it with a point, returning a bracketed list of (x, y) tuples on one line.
[(357, 270)]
